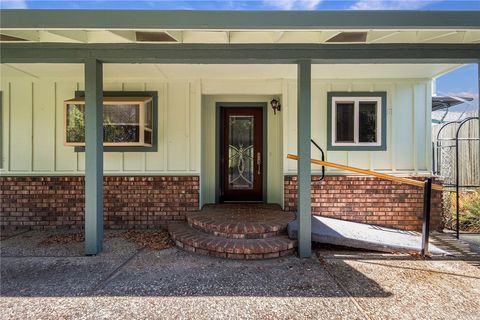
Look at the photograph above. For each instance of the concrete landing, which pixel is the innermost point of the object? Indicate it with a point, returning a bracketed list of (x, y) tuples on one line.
[(363, 236)]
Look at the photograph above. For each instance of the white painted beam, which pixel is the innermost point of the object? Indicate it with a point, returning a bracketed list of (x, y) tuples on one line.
[(429, 36), (30, 35), (177, 35), (78, 36), (472, 36), (251, 37), (376, 36), (204, 37), (325, 35), (277, 36), (111, 36), (301, 37)]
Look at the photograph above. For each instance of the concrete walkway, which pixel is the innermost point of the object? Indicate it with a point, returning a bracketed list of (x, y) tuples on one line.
[(363, 236), (127, 282)]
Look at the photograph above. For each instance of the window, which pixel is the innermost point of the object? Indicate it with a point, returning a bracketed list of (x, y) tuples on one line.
[(356, 121), (127, 121)]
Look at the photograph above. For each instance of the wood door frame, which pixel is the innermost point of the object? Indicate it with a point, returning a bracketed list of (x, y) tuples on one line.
[(218, 142)]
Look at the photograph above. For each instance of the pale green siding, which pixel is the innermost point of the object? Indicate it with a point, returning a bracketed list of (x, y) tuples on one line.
[(33, 138), (408, 125)]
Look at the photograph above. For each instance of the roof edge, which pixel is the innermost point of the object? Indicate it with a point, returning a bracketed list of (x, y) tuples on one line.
[(244, 20)]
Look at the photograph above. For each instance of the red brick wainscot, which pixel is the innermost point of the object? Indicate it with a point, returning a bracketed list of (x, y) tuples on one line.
[(368, 200), (129, 202)]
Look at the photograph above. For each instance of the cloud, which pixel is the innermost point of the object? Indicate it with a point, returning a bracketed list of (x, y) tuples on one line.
[(467, 94), (391, 4), (13, 4), (293, 4)]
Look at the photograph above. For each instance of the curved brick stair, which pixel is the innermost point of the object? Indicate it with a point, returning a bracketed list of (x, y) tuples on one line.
[(236, 232), (241, 221)]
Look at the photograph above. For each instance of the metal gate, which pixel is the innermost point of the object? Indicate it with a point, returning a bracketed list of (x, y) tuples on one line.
[(456, 159)]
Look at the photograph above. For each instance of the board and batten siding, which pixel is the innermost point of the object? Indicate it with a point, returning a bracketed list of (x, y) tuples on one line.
[(33, 132), (33, 126), (408, 125)]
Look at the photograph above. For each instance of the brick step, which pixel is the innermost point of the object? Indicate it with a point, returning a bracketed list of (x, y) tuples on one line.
[(258, 224), (193, 240)]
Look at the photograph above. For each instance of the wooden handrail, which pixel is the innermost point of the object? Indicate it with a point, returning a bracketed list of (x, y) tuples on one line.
[(411, 182)]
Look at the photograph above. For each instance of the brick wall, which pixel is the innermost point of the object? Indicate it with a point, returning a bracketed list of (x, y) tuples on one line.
[(140, 202), (367, 200)]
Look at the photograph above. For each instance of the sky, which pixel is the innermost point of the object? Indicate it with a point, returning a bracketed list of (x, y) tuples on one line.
[(461, 82), (246, 4)]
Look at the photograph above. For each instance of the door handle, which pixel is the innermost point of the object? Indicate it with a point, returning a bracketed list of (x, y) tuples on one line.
[(259, 163)]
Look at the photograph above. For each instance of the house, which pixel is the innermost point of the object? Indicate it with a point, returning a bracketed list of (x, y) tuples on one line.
[(203, 107)]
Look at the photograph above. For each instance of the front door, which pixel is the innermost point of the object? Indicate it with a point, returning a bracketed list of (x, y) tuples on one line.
[(241, 154)]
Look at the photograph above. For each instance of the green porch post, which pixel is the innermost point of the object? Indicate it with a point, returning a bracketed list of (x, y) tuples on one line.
[(304, 89), (93, 157)]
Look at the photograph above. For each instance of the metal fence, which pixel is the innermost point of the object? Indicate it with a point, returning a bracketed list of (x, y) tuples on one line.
[(456, 159)]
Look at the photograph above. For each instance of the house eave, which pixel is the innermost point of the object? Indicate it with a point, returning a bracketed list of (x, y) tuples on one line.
[(238, 20)]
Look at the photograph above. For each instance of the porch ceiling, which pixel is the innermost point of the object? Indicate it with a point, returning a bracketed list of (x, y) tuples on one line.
[(227, 71), (238, 37), (234, 27), (227, 36)]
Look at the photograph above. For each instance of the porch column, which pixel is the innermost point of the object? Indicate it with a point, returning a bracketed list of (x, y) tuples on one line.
[(93, 157), (304, 88)]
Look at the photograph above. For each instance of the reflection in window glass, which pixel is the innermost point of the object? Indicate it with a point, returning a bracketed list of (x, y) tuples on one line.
[(344, 122), (121, 133), (121, 123), (121, 114), (75, 123), (367, 131)]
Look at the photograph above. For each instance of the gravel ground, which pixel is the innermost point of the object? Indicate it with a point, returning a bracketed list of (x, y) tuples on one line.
[(128, 282)]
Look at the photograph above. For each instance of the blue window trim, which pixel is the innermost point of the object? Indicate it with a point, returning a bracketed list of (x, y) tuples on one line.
[(380, 94), (154, 95)]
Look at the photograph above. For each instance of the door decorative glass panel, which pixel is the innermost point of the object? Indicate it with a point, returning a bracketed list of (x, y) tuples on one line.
[(241, 152), (241, 168)]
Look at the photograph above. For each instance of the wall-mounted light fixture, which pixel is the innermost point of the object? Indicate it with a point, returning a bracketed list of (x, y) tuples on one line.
[(276, 106)]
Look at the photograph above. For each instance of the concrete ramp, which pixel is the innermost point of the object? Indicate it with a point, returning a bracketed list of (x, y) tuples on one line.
[(363, 236)]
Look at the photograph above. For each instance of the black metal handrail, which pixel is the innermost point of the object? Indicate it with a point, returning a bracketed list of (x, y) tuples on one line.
[(427, 186), (323, 157)]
